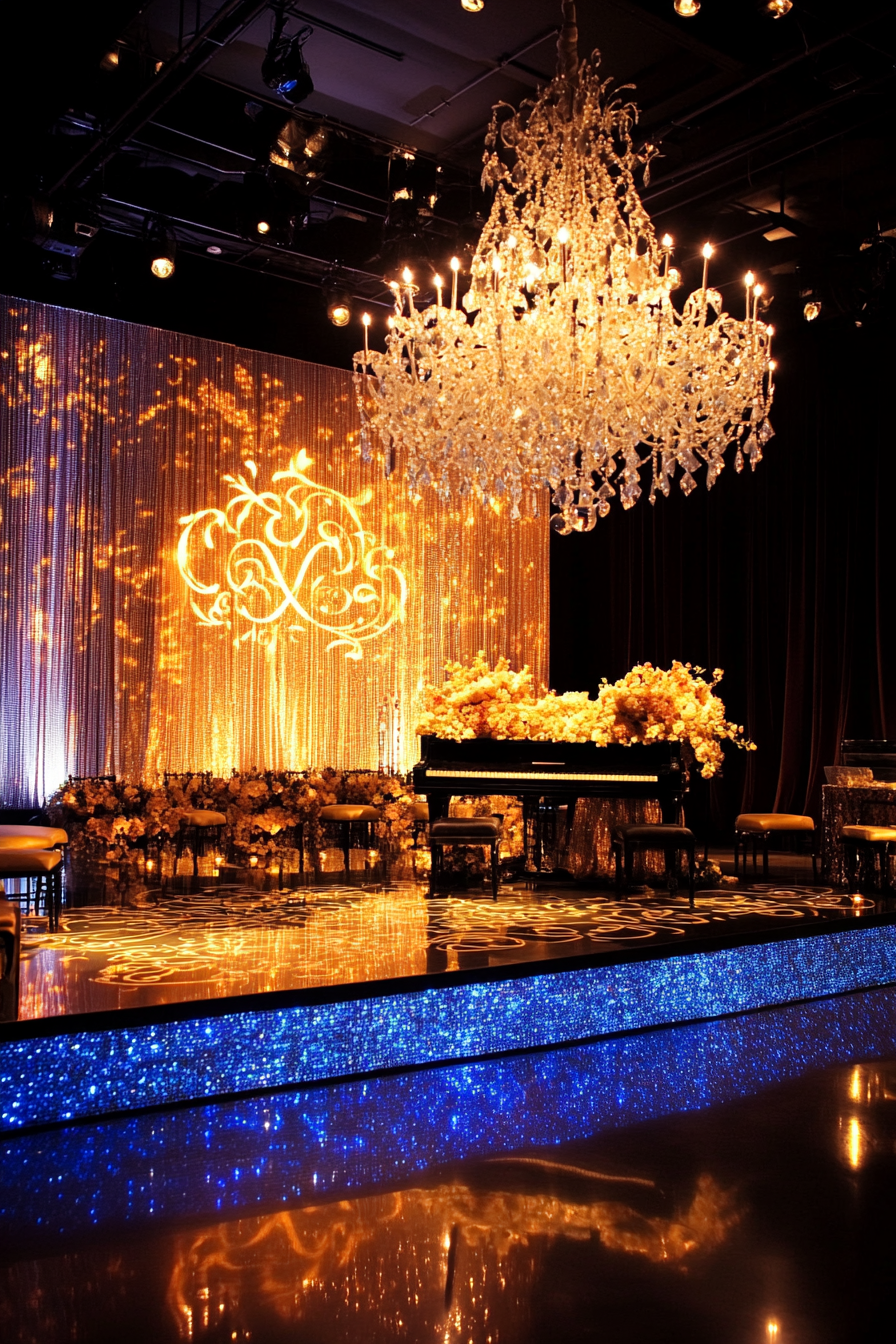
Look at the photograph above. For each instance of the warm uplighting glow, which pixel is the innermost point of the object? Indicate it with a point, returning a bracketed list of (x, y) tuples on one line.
[(811, 310), (253, 860), (687, 8), (290, 558)]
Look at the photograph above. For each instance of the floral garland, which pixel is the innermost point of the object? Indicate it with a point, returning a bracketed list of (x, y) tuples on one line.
[(648, 704), (113, 821)]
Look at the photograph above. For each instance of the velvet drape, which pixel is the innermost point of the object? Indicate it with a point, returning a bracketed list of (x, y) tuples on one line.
[(784, 578)]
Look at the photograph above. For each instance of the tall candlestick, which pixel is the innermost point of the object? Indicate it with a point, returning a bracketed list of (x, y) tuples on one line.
[(365, 322), (707, 253), (455, 267), (748, 285), (437, 281)]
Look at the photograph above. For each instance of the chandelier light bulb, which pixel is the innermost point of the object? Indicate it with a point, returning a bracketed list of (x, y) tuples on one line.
[(667, 241), (365, 318), (407, 275), (454, 264), (674, 277), (563, 235), (757, 290), (437, 281), (687, 8), (749, 279), (707, 250)]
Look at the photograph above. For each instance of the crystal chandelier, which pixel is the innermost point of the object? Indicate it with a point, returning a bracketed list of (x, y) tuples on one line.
[(567, 364)]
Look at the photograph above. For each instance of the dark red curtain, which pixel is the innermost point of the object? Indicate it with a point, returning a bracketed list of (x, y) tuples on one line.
[(784, 578)]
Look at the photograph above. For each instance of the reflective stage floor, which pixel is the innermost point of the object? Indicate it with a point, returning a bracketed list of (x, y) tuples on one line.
[(727, 1181), (223, 939)]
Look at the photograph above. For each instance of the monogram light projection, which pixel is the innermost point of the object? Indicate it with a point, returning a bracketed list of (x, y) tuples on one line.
[(272, 563)]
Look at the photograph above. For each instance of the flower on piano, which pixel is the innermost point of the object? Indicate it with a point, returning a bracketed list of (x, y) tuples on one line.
[(648, 704)]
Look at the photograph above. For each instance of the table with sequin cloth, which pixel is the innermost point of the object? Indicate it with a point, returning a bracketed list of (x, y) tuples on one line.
[(873, 805)]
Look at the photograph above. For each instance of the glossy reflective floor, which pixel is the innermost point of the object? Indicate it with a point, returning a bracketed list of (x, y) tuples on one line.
[(710, 1203), (220, 938)]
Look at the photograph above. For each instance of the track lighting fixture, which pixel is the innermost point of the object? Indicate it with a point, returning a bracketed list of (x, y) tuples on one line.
[(284, 68), (339, 305), (162, 250)]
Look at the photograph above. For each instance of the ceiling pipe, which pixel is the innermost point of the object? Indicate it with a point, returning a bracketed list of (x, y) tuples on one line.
[(228, 22)]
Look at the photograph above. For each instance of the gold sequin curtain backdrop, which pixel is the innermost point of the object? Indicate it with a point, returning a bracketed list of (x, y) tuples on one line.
[(135, 641)]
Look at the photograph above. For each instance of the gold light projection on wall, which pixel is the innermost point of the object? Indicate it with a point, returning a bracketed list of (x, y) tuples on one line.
[(289, 561), (110, 433)]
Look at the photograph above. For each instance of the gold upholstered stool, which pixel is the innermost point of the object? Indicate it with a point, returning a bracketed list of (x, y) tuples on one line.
[(866, 850), (347, 815), (761, 826), (41, 866), (32, 837), (199, 827), (475, 831)]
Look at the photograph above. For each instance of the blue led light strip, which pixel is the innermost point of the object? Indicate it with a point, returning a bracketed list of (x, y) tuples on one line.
[(88, 1073), (258, 1153)]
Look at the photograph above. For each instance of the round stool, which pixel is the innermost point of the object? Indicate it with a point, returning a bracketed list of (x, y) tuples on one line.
[(464, 831), (347, 815), (199, 826), (649, 835), (862, 845), (44, 867), (761, 826)]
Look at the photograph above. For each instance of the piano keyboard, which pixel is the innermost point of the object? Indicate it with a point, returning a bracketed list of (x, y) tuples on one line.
[(544, 776)]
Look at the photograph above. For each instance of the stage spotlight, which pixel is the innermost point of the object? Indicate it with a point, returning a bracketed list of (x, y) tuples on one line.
[(776, 9), (473, 6), (812, 309), (687, 8), (284, 68), (262, 226), (339, 305), (162, 250)]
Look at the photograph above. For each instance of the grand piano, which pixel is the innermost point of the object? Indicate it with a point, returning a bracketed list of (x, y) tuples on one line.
[(558, 771)]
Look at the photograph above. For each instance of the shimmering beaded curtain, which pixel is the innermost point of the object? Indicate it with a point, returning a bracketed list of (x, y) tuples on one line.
[(199, 572)]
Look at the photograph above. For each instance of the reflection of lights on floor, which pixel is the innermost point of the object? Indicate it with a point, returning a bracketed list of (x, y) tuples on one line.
[(853, 1142)]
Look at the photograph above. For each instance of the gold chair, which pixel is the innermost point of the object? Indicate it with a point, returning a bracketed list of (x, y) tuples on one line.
[(761, 826)]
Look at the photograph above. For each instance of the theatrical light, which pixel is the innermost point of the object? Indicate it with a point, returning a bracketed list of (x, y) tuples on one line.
[(811, 310), (284, 68), (213, 250), (472, 6), (263, 226), (162, 253), (778, 8), (687, 8), (339, 305)]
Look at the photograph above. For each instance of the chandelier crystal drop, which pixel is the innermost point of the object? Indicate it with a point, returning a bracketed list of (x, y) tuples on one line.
[(567, 365)]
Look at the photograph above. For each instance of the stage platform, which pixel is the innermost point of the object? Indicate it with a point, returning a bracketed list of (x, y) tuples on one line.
[(231, 988)]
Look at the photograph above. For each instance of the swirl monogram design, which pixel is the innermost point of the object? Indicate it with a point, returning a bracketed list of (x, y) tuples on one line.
[(288, 558)]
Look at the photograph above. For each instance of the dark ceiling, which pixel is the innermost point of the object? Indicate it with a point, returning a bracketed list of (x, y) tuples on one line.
[(777, 144)]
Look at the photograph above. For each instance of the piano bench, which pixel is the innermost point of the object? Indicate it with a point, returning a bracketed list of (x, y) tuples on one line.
[(648, 835), (464, 831)]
